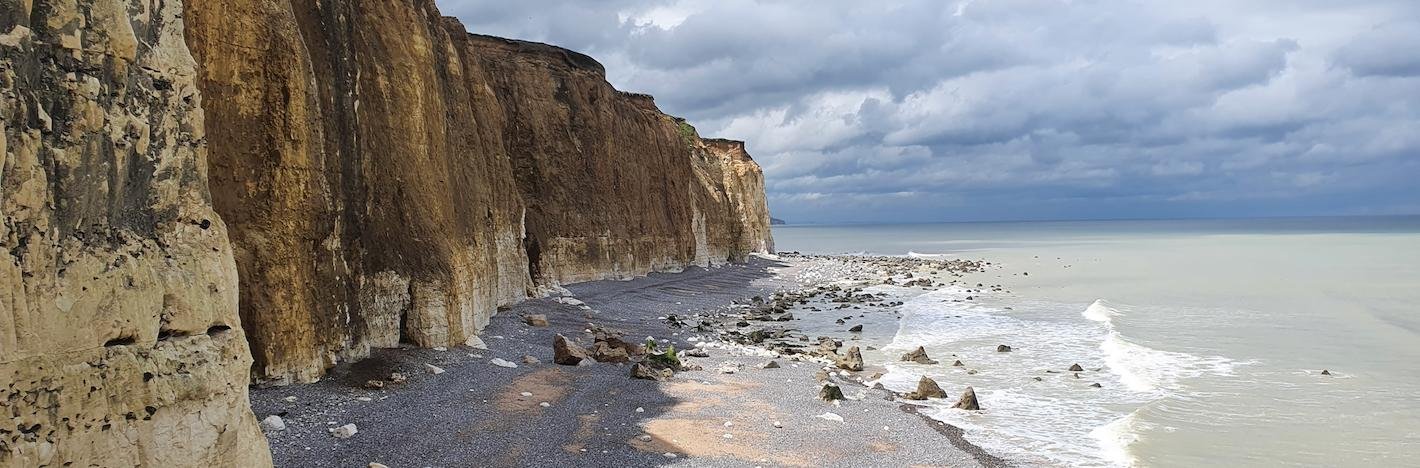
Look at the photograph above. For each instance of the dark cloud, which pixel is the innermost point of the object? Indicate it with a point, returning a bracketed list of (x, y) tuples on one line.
[(917, 110)]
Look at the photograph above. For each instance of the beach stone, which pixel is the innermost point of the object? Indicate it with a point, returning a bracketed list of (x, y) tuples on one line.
[(856, 329), (529, 359), (968, 400), (830, 392), (433, 369), (273, 423), (821, 376), (374, 384), (852, 360), (1003, 349), (770, 365), (1096, 385), (377, 465), (830, 416), (502, 363), (1076, 368), (567, 353), (919, 356), (344, 432), (535, 320), (927, 388), (697, 352), (398, 378)]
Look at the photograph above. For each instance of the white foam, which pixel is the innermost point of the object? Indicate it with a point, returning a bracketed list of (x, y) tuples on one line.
[(1116, 437)]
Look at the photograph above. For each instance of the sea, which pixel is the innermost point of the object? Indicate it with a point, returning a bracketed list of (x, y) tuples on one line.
[(1208, 338)]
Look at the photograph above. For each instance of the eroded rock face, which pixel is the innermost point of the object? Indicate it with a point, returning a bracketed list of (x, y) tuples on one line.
[(120, 342), (389, 177)]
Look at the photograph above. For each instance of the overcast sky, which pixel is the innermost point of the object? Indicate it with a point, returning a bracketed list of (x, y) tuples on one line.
[(1025, 109)]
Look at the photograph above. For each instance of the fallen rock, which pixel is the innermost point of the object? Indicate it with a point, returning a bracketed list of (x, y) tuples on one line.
[(536, 320), (852, 360), (919, 356), (398, 378), (821, 376), (927, 388), (344, 432), (567, 353), (377, 465), (856, 329), (530, 359), (770, 365), (830, 417), (433, 369), (697, 352), (1003, 349), (968, 400), (604, 352), (830, 392), (374, 384), (273, 423), (502, 363), (645, 372), (1076, 368)]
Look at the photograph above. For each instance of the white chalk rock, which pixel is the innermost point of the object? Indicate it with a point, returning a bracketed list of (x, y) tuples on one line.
[(433, 369), (830, 417), (502, 363), (273, 423), (344, 432)]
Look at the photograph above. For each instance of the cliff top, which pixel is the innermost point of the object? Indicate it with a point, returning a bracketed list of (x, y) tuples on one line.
[(572, 57)]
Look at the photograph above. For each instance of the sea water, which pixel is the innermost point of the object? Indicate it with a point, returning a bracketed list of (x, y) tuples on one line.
[(1207, 337)]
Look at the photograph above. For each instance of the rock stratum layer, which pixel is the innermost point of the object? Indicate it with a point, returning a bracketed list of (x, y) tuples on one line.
[(370, 171), (120, 343), (391, 178)]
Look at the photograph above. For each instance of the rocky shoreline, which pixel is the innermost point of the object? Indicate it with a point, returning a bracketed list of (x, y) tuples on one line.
[(557, 382)]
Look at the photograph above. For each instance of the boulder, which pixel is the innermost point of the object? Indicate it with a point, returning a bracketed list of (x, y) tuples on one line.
[(1003, 349), (529, 359), (968, 400), (919, 356), (603, 352), (273, 423), (958, 364), (1325, 372), (927, 388), (1076, 368), (645, 372), (770, 365), (852, 360), (536, 320), (830, 392), (856, 329), (433, 369), (567, 353), (374, 384)]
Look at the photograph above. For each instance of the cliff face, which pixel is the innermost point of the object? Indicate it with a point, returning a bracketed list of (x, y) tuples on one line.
[(120, 342), (389, 177)]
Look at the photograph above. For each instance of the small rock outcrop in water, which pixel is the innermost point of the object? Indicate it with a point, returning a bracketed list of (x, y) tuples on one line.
[(856, 329), (968, 400), (919, 356), (927, 388), (567, 353), (1076, 368), (1003, 349), (851, 360), (1325, 372)]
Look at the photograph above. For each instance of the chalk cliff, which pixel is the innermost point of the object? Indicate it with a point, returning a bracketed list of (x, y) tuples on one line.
[(390, 177), (120, 343), (312, 180)]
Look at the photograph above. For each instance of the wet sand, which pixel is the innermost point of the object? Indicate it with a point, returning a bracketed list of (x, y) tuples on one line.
[(479, 414)]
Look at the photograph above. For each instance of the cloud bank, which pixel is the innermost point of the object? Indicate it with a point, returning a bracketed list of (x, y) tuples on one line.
[(909, 111)]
